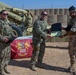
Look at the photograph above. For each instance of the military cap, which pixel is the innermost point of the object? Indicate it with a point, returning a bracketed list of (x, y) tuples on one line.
[(72, 8)]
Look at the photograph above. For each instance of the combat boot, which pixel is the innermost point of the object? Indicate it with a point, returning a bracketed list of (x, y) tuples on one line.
[(6, 71), (72, 71), (39, 65), (68, 69), (33, 68)]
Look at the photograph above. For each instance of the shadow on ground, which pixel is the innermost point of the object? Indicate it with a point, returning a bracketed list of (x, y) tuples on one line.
[(57, 47), (26, 64)]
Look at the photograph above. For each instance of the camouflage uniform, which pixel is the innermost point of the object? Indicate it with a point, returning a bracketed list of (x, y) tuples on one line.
[(72, 43), (5, 31), (39, 34)]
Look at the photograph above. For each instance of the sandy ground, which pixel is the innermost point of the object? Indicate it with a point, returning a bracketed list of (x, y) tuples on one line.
[(55, 62)]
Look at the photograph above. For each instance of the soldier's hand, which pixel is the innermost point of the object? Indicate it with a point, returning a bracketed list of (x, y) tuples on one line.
[(61, 36), (6, 39), (49, 36), (15, 36)]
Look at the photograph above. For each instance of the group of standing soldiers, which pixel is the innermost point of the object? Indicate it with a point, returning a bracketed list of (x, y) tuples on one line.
[(39, 36)]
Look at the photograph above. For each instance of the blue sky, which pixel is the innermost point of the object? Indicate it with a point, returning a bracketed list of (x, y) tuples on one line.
[(39, 4)]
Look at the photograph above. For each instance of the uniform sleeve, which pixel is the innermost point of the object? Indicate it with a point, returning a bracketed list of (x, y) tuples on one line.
[(38, 29), (68, 28), (1, 37), (73, 29)]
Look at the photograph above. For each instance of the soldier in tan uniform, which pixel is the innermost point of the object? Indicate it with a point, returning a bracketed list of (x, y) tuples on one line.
[(5, 33), (71, 32)]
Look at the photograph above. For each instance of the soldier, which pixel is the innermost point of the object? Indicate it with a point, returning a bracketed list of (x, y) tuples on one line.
[(71, 31), (39, 36), (5, 33)]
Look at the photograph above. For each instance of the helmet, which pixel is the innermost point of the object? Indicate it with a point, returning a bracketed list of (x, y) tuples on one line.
[(43, 13), (72, 8)]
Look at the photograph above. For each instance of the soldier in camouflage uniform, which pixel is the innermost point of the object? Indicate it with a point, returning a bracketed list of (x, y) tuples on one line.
[(5, 33), (71, 31), (39, 35)]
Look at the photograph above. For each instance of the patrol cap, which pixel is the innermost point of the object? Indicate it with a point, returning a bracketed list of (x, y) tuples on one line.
[(72, 8), (43, 13)]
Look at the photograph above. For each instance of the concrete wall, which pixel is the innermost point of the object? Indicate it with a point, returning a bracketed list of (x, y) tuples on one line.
[(54, 15)]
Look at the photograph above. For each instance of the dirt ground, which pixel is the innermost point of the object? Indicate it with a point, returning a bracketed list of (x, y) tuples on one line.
[(55, 62)]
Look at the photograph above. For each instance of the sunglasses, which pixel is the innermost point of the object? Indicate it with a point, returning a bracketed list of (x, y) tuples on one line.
[(5, 14)]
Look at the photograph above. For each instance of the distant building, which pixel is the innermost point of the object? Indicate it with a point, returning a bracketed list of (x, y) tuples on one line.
[(54, 15)]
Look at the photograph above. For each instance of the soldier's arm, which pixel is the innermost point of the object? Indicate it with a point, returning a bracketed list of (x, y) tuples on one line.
[(72, 30), (68, 33), (69, 25), (2, 38), (38, 29)]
